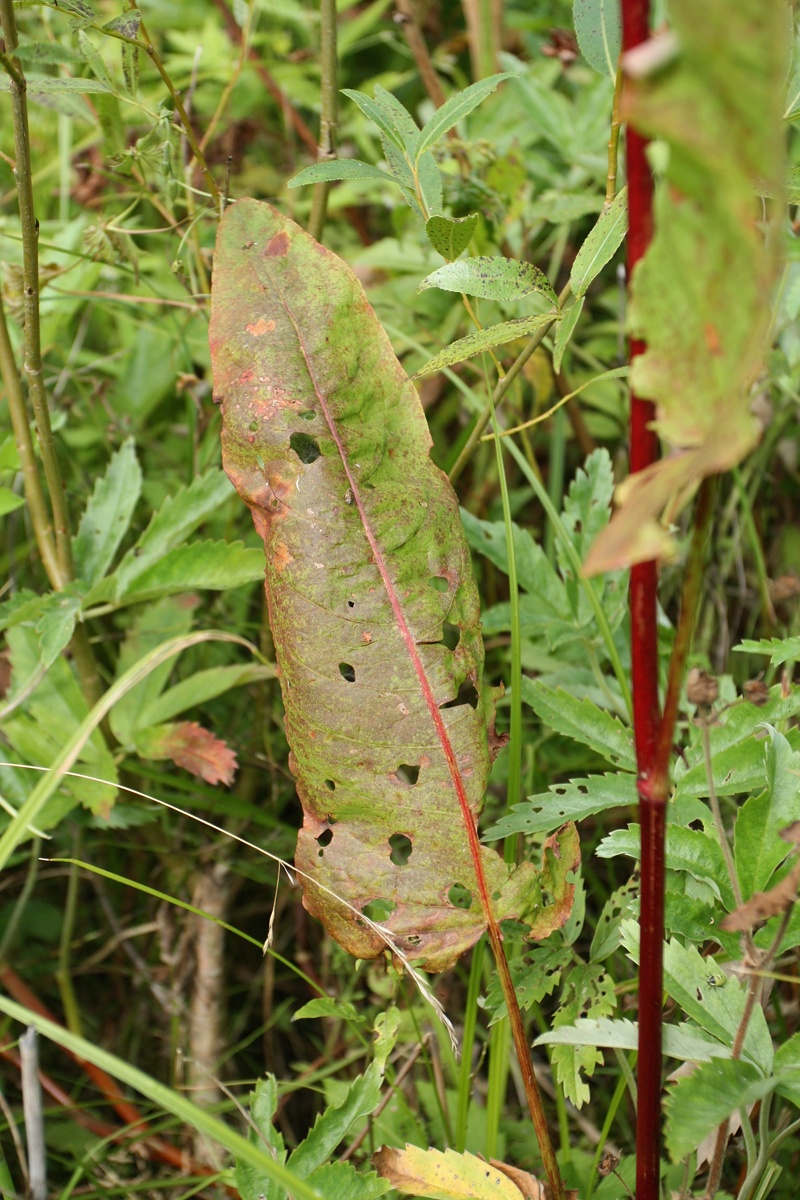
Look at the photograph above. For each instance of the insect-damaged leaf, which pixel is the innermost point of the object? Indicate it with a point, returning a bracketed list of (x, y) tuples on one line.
[(369, 586), (700, 296)]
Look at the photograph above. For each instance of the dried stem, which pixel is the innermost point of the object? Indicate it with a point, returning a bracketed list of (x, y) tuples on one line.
[(327, 122), (407, 20)]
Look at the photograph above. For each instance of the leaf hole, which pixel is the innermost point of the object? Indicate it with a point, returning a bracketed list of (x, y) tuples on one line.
[(324, 839), (467, 694), (401, 849), (330, 785), (413, 939), (438, 583), (253, 426), (347, 672), (451, 635), (406, 773), (307, 414), (379, 910), (305, 447), (460, 896), (351, 603)]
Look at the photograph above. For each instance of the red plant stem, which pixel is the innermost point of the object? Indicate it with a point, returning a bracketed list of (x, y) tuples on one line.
[(644, 679)]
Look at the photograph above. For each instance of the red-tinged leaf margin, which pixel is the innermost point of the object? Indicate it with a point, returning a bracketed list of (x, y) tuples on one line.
[(192, 747)]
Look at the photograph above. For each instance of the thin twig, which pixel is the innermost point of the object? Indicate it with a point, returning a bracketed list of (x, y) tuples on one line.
[(327, 121), (34, 1116)]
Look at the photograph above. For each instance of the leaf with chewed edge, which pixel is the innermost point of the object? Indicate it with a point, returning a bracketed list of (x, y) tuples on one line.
[(325, 439)]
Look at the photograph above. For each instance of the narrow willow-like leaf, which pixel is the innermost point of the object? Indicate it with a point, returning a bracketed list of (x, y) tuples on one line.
[(492, 278), (52, 84), (601, 244), (340, 168), (484, 339), (377, 114), (565, 331), (325, 439), (598, 28), (454, 109), (451, 235)]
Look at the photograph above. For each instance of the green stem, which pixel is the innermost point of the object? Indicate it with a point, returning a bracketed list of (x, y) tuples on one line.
[(613, 139), (499, 1046), (514, 786), (34, 495), (328, 115), (616, 1099), (189, 133), (500, 390), (467, 1043), (30, 293)]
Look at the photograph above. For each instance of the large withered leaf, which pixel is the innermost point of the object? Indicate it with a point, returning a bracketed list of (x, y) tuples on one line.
[(373, 607)]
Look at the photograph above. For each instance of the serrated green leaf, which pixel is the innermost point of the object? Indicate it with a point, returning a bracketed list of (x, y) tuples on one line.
[(787, 1069), (622, 904), (456, 108), (340, 168), (201, 687), (252, 1182), (217, 566), (737, 747), (492, 278), (716, 1009), (175, 520), (587, 507), (22, 606), (601, 244), (780, 650), (333, 1125), (95, 60), (582, 721), (620, 1034), (758, 848), (484, 339), (598, 28), (698, 1104), (589, 990), (9, 501), (573, 801), (566, 327), (535, 974), (46, 85), (689, 850), (450, 236), (57, 622), (108, 514), (341, 1181)]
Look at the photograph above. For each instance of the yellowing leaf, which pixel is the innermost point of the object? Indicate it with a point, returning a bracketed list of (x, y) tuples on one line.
[(444, 1176)]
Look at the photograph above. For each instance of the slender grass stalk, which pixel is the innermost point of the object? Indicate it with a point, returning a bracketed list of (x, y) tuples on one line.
[(467, 1045), (500, 390), (30, 291), (499, 1046), (34, 496), (165, 1098), (328, 115), (555, 478), (611, 1112)]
